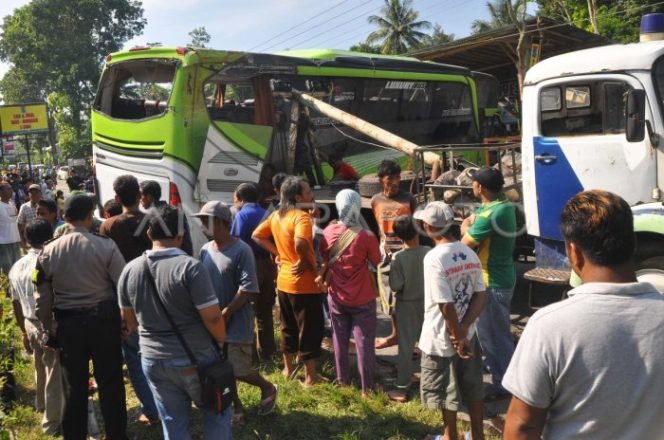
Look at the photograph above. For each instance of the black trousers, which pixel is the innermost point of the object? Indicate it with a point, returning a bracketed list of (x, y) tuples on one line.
[(302, 324), (81, 339)]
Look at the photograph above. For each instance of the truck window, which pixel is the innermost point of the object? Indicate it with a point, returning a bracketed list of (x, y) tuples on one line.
[(136, 89), (594, 108)]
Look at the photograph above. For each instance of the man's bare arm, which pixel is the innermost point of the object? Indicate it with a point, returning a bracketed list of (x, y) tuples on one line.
[(214, 322), (240, 299), (267, 245), (524, 422)]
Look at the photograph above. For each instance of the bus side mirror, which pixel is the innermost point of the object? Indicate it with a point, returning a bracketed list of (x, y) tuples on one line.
[(636, 115)]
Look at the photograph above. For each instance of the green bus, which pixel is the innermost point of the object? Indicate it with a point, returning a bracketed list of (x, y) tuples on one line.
[(201, 121)]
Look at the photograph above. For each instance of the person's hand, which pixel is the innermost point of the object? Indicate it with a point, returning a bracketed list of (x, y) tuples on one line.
[(300, 267), (26, 343), (277, 261), (464, 350), (225, 314), (468, 221), (124, 331), (461, 334), (320, 282)]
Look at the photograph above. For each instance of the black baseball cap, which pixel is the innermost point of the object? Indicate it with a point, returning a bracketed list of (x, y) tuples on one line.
[(488, 177)]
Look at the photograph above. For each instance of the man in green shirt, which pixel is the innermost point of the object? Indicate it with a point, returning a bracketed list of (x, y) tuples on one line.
[(492, 231)]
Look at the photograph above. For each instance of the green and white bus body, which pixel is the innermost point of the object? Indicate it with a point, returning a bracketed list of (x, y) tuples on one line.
[(200, 122)]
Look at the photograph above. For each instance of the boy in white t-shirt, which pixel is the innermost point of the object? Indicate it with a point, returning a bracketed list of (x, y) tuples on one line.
[(454, 295)]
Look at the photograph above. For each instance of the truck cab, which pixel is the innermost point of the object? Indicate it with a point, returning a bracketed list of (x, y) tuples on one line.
[(593, 119)]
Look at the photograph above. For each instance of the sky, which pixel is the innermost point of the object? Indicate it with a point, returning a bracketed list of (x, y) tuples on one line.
[(270, 26)]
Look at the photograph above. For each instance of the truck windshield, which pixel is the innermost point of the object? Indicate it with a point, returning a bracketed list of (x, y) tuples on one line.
[(658, 74)]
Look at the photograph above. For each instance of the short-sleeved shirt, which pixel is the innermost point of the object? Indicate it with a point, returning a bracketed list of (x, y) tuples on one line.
[(82, 268), (596, 362), (452, 274), (494, 230), (8, 226), (350, 279), (406, 274), (26, 213), (386, 210), (284, 230), (129, 231), (245, 223), (345, 171), (21, 286), (184, 287), (233, 269)]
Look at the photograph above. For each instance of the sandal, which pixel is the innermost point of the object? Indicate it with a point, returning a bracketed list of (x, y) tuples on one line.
[(397, 396), (268, 404)]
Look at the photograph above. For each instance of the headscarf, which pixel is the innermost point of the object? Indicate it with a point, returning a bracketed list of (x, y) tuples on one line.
[(349, 207)]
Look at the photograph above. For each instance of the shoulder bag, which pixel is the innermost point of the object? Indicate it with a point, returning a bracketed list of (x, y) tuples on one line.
[(217, 379), (338, 248)]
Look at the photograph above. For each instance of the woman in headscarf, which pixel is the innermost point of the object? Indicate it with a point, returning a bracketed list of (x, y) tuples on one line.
[(348, 247)]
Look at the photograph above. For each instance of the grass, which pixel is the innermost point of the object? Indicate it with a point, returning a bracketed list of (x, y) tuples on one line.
[(323, 412)]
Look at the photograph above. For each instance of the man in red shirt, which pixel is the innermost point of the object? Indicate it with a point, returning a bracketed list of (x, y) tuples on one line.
[(342, 170)]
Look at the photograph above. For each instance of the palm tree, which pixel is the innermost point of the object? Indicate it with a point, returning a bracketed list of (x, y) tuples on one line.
[(503, 13), (398, 28)]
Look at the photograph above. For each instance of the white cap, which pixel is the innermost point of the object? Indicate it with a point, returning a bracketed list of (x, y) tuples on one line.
[(436, 214)]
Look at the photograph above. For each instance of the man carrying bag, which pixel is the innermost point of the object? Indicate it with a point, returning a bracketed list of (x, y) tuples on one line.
[(171, 296)]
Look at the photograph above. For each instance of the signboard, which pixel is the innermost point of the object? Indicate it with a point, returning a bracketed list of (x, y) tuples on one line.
[(23, 119)]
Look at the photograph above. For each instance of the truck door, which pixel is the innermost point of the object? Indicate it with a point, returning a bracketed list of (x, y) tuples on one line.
[(580, 144)]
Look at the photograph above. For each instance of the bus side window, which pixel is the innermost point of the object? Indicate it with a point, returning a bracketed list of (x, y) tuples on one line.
[(244, 102)]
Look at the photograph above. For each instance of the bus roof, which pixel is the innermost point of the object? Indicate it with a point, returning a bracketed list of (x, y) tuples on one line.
[(305, 57), (613, 58)]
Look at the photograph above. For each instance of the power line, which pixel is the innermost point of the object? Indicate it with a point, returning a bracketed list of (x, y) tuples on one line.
[(313, 27), (297, 25), (347, 38), (363, 15), (344, 32)]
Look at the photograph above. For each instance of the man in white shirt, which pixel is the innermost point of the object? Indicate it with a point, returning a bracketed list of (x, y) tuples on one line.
[(592, 366), (9, 235), (48, 375), (28, 211), (454, 295)]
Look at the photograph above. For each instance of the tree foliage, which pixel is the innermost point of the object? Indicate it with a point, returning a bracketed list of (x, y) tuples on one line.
[(398, 27), (365, 47), (59, 46), (502, 13), (437, 37), (615, 19), (199, 37)]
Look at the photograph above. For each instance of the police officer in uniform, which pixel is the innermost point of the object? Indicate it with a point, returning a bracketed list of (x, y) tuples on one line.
[(76, 277)]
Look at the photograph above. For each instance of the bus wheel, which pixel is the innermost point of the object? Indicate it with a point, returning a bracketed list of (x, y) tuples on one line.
[(651, 270)]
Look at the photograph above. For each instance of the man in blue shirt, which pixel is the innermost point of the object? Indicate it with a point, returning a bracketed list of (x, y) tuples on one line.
[(249, 215), (230, 263)]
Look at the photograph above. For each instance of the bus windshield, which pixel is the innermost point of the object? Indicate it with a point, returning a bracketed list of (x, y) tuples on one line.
[(136, 89)]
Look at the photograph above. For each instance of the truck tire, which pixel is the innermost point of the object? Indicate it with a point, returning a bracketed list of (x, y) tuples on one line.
[(652, 271)]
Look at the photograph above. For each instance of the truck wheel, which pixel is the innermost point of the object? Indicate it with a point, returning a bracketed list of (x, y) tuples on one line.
[(651, 270)]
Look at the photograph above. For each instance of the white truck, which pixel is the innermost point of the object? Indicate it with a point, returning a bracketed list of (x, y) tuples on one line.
[(594, 119)]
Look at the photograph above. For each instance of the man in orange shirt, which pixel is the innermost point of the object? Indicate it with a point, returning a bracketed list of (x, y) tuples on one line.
[(288, 234)]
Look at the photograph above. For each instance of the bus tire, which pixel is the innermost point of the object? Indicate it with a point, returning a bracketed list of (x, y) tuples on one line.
[(652, 271)]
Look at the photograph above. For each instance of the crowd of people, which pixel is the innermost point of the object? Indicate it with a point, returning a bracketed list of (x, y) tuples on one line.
[(131, 290)]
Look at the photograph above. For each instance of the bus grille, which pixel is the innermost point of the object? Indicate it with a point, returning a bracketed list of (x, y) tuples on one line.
[(234, 157), (222, 185)]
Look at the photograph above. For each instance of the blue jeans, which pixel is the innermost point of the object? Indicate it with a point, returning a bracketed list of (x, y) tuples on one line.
[(175, 384), (140, 384), (493, 330)]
